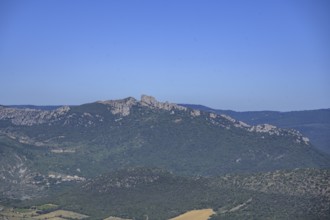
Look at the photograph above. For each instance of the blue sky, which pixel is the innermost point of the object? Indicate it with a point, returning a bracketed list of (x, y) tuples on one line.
[(226, 54)]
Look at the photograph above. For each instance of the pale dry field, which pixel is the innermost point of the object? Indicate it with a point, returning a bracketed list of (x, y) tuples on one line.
[(116, 218), (13, 215), (202, 214)]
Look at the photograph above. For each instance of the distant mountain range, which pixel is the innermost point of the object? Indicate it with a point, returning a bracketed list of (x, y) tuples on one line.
[(314, 124), (38, 107), (127, 151)]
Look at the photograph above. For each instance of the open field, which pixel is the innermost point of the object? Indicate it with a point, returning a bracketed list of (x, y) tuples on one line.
[(202, 214), (61, 214), (12, 214), (30, 214)]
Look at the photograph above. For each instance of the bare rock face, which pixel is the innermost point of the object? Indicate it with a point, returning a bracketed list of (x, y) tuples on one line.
[(31, 117), (195, 113), (17, 180), (151, 102), (273, 130), (121, 107), (265, 128)]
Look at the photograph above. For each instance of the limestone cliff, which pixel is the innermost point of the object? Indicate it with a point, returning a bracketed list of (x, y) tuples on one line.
[(31, 117), (151, 102)]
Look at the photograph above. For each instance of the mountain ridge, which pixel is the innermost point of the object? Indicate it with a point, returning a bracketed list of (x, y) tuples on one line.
[(30, 117), (127, 132), (315, 124), (122, 151), (121, 107)]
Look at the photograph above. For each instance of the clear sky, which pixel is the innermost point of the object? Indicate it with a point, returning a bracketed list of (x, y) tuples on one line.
[(225, 54)]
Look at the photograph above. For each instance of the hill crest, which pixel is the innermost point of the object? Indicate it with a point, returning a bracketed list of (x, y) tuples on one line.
[(123, 107)]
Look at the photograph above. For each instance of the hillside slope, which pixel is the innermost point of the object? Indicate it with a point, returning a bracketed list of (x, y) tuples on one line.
[(108, 135), (142, 193), (314, 124)]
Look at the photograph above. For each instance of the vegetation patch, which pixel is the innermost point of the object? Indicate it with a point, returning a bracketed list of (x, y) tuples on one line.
[(46, 207), (34, 213), (17, 214)]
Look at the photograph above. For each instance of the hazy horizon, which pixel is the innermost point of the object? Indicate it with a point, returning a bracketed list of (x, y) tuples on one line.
[(182, 103)]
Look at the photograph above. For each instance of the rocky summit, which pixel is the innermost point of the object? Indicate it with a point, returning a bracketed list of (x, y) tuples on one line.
[(122, 107)]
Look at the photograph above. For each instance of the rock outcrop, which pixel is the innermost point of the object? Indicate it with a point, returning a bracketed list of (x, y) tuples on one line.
[(264, 128), (273, 130), (16, 179), (31, 117), (122, 107), (151, 102)]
